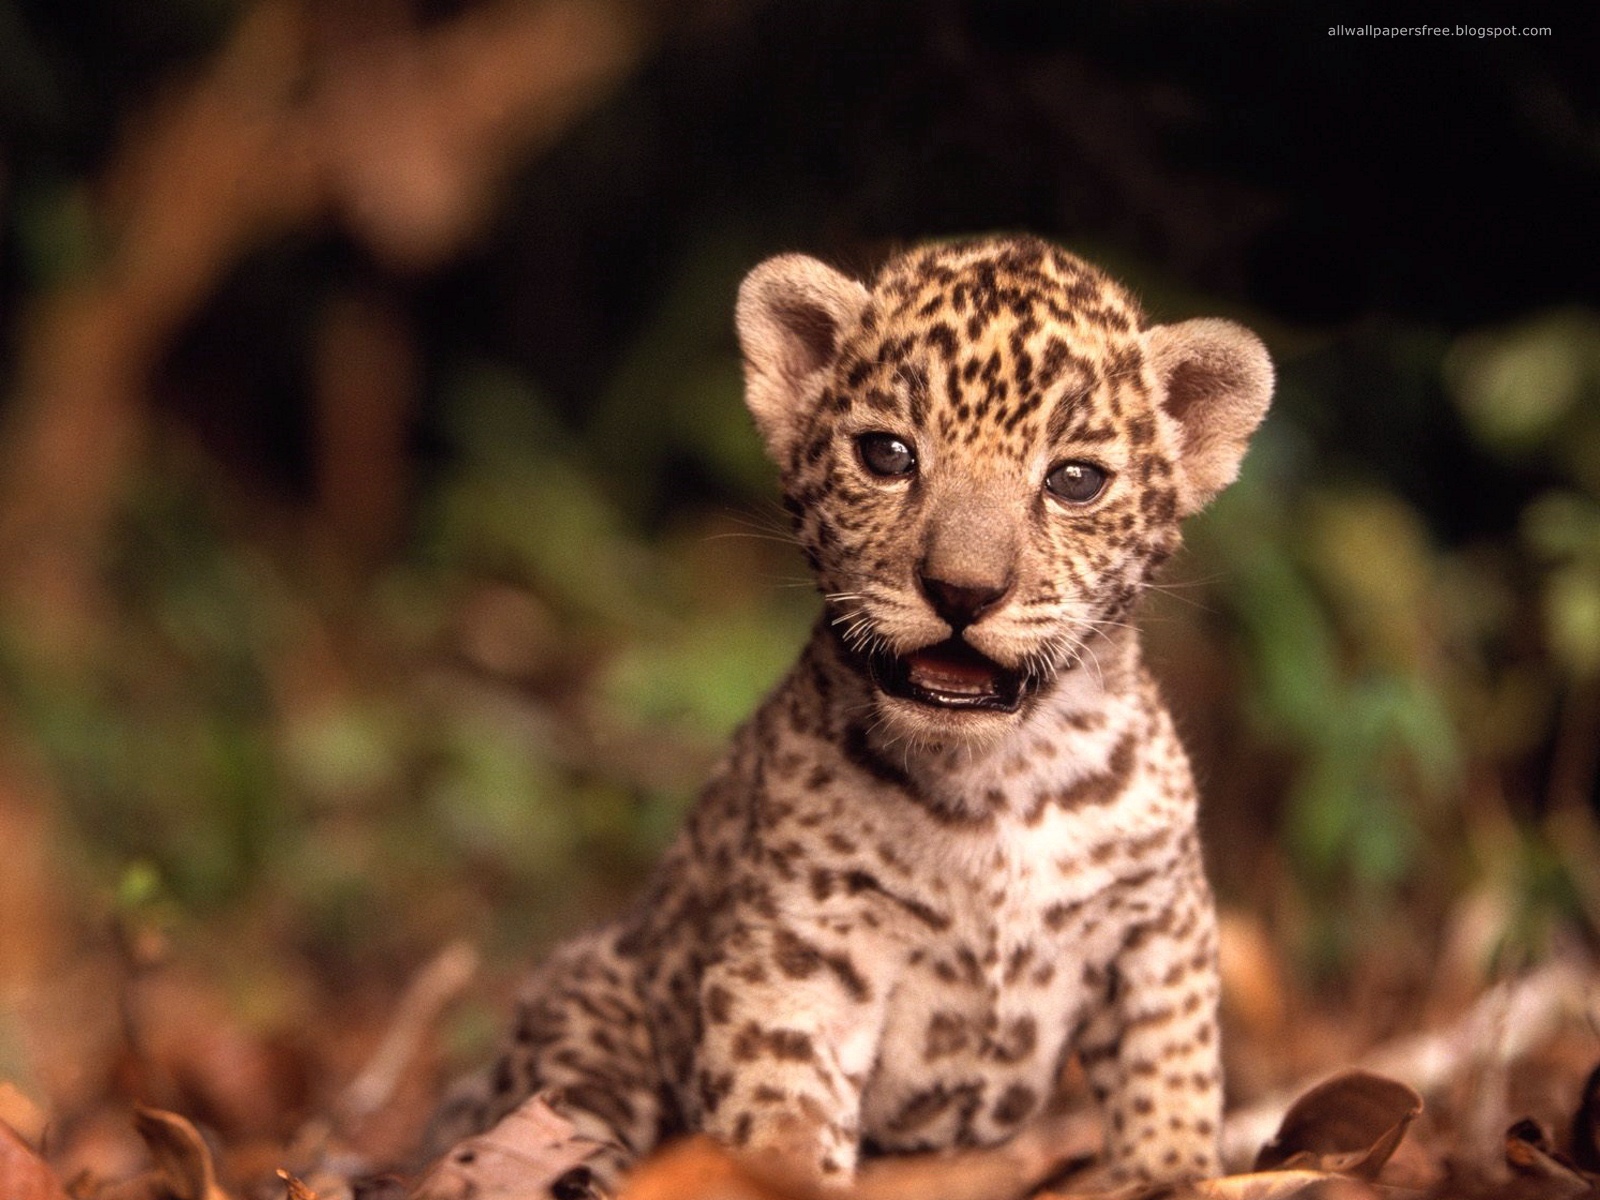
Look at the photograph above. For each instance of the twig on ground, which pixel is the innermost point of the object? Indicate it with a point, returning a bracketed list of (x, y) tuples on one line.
[(433, 990), (322, 1146)]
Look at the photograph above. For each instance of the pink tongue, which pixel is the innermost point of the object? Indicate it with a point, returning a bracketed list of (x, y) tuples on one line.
[(939, 670)]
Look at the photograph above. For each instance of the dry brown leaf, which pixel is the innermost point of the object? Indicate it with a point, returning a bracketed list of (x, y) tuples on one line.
[(1258, 1185), (149, 1185), (1284, 1185), (1350, 1124), (375, 1187), (181, 1154), (519, 1159), (97, 1147), (1503, 1025), (1042, 1151), (1531, 1154), (699, 1168), (18, 1110), (23, 1174), (193, 1052)]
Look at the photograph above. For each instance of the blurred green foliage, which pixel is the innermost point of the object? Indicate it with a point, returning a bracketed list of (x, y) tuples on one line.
[(1410, 679), (521, 702), (533, 690), (498, 725)]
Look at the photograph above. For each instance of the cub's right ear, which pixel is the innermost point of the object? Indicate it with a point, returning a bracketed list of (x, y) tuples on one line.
[(793, 314)]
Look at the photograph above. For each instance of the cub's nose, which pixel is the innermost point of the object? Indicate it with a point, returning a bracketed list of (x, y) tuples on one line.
[(961, 604)]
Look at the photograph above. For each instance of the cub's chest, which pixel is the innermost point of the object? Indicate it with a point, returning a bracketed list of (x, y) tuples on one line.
[(980, 1015), (1021, 930)]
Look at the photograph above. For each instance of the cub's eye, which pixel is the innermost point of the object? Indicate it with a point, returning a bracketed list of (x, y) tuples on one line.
[(1076, 482), (885, 455)]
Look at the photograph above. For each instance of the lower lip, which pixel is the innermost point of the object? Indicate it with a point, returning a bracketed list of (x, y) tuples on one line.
[(1002, 703), (959, 704)]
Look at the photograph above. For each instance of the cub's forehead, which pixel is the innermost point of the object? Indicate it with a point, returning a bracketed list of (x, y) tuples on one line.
[(1002, 334), (975, 284)]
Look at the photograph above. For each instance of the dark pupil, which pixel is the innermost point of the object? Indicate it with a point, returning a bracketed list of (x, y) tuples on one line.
[(1076, 481), (885, 454)]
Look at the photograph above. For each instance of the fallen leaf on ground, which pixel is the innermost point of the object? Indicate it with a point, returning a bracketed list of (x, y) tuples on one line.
[(182, 1157), (1350, 1124), (18, 1110), (700, 1169), (1256, 1185), (1285, 1185), (524, 1156), (23, 1174), (192, 1052), (1504, 1023), (1042, 1151), (1531, 1154)]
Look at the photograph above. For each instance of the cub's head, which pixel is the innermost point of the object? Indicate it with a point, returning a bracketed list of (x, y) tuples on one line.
[(986, 454)]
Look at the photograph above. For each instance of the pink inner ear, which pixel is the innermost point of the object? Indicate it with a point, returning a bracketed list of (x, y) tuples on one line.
[(814, 335), (1188, 384), (1217, 382)]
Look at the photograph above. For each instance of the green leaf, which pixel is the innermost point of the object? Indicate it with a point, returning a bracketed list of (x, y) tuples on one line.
[(1515, 385)]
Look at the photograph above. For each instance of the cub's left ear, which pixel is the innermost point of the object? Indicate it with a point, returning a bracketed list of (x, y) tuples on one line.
[(1216, 382), (793, 314)]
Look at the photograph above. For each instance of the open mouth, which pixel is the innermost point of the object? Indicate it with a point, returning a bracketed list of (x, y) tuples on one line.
[(951, 674)]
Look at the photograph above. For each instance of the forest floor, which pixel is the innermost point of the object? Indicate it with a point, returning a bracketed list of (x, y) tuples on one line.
[(151, 1077)]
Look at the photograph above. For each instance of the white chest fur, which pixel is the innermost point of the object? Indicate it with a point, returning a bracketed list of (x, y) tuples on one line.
[(1039, 900)]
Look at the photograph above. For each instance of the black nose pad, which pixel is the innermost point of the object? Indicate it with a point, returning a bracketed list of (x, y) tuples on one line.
[(960, 605)]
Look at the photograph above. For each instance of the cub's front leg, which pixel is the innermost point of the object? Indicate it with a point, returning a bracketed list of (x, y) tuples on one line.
[(790, 1022), (1152, 1052)]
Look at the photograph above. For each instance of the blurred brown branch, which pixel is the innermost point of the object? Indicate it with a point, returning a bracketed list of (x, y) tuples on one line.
[(402, 136)]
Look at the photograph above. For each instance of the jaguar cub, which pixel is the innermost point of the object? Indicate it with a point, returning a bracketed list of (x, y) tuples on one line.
[(957, 843)]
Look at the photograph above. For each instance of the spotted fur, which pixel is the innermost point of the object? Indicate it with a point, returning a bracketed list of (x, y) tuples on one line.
[(957, 843)]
